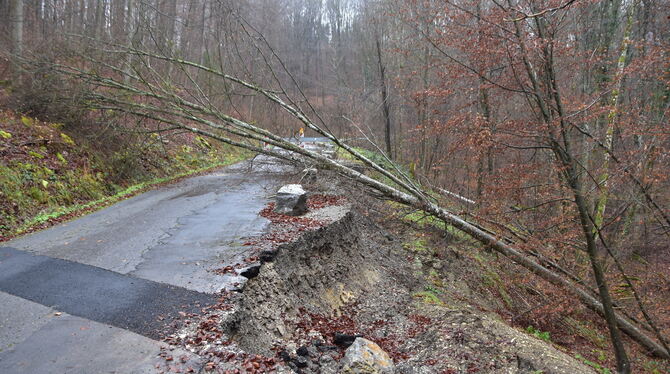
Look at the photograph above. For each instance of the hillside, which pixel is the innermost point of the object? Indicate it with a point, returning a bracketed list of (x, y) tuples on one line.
[(50, 171)]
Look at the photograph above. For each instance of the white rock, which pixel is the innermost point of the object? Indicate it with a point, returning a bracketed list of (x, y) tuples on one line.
[(365, 356), (292, 189), (291, 199)]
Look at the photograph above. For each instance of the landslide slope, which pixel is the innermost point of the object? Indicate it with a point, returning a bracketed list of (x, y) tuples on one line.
[(353, 278)]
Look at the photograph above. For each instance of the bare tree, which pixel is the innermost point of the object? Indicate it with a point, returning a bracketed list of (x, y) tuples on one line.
[(555, 108), (385, 98), (16, 19)]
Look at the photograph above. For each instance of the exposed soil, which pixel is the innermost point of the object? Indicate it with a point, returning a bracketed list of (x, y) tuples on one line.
[(350, 278), (334, 274)]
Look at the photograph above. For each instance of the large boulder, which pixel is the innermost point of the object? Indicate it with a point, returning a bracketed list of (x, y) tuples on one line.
[(291, 199), (366, 357)]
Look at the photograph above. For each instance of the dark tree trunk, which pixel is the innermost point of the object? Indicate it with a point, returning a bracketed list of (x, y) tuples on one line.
[(385, 102)]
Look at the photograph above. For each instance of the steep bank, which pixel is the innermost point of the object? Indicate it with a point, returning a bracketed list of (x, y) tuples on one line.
[(351, 277), (52, 171)]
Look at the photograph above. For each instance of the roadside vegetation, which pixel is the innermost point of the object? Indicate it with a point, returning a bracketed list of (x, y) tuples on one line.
[(50, 172), (459, 270)]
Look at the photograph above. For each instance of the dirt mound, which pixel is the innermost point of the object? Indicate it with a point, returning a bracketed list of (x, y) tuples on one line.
[(352, 279), (321, 273)]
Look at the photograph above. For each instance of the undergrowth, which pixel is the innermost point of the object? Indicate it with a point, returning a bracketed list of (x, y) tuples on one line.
[(496, 285), (47, 175)]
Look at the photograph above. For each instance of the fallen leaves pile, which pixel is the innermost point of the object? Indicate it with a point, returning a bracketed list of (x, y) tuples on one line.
[(286, 229), (319, 201)]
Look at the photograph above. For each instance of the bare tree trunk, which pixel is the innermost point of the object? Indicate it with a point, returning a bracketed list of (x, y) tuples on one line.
[(118, 20), (485, 110), (16, 19), (203, 33), (130, 29), (385, 100), (563, 151), (100, 19), (423, 106), (564, 154), (83, 16), (623, 364), (615, 102), (4, 16)]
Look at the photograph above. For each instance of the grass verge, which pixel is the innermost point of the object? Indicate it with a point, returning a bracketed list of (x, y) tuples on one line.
[(62, 214)]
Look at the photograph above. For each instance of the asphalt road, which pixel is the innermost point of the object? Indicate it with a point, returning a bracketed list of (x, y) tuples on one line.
[(130, 303), (85, 296)]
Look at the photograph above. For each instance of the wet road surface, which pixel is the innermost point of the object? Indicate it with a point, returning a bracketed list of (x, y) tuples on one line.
[(174, 235), (134, 304), (75, 296)]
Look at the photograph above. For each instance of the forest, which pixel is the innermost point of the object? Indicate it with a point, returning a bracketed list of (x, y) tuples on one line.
[(538, 128)]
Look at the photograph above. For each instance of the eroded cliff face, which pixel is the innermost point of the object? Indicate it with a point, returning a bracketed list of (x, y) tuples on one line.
[(350, 278)]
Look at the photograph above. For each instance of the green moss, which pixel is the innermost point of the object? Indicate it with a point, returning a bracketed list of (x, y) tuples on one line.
[(61, 159), (433, 289), (423, 220), (32, 193), (583, 330), (656, 367), (67, 139), (203, 142), (38, 195), (27, 121), (428, 297), (74, 185), (491, 279), (599, 368), (543, 335), (417, 245), (36, 155)]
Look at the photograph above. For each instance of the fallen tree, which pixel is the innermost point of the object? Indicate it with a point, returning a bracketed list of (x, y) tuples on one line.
[(143, 92)]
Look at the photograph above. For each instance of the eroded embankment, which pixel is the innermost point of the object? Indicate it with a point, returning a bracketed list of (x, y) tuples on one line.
[(323, 272), (351, 277)]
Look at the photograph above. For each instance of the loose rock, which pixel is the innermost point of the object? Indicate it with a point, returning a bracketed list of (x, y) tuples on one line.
[(344, 340), (309, 175), (251, 272), (300, 362), (302, 351), (291, 200), (365, 356)]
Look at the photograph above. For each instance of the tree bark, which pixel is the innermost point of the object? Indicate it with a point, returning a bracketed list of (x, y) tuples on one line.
[(385, 100), (615, 102), (16, 19), (623, 363), (564, 154)]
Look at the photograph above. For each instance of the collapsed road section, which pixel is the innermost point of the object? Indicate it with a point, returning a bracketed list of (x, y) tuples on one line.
[(334, 293)]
